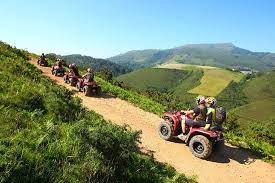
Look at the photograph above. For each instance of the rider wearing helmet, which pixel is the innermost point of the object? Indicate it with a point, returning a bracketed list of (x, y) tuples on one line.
[(89, 76), (43, 57), (198, 116), (211, 104), (58, 62), (74, 69)]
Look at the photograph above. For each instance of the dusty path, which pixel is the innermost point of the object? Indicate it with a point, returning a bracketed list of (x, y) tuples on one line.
[(234, 165)]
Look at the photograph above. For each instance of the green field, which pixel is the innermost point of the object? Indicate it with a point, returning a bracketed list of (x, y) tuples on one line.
[(263, 110), (262, 87), (167, 86), (214, 80), (154, 79)]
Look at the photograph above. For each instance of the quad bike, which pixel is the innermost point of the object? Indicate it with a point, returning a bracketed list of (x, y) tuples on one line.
[(88, 88), (71, 78), (43, 63), (201, 142), (58, 70)]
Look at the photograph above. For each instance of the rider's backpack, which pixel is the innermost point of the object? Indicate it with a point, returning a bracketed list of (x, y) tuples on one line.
[(220, 115)]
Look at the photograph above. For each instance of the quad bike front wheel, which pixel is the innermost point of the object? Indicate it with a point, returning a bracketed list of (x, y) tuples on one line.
[(78, 88), (72, 82), (87, 91), (55, 72), (165, 130), (200, 146)]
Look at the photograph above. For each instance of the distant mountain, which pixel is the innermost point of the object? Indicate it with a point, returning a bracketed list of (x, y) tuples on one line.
[(219, 55), (96, 63)]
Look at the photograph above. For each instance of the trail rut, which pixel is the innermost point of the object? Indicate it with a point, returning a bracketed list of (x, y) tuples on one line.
[(233, 165)]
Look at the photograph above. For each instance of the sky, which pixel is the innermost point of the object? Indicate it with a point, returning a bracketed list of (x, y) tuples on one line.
[(104, 28)]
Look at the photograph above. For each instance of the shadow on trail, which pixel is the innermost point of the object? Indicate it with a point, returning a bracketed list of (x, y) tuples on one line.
[(105, 96), (232, 153), (227, 153)]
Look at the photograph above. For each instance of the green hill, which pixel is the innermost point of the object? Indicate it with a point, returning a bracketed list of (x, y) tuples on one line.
[(219, 55), (96, 63), (47, 136), (164, 84), (261, 87), (162, 80), (214, 80)]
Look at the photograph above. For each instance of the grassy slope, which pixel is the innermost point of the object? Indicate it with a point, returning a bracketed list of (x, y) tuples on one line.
[(218, 55), (260, 95), (153, 78), (262, 110), (254, 121), (214, 80), (47, 136), (173, 81), (261, 87)]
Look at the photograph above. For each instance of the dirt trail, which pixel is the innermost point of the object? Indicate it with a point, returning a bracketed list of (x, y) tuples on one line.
[(234, 165)]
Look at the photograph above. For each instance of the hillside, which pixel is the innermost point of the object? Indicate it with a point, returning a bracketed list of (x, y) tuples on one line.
[(163, 80), (248, 99), (219, 55), (96, 63), (229, 163), (46, 135), (214, 79), (164, 84), (177, 79)]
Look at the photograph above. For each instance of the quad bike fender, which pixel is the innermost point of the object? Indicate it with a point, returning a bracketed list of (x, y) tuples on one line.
[(172, 119), (171, 116), (201, 131)]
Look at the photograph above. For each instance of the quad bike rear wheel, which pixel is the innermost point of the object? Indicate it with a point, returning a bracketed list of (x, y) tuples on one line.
[(200, 146), (165, 130)]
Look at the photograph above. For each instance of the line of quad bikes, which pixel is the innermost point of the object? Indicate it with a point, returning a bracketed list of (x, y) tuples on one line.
[(88, 88), (201, 142)]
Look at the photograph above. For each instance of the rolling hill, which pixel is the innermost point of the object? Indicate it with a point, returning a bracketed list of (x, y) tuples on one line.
[(162, 80), (96, 63), (181, 79), (213, 81), (169, 86), (251, 100), (218, 55)]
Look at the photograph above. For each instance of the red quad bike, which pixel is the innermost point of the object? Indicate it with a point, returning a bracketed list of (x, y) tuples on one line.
[(42, 63), (71, 78), (58, 71), (201, 142), (88, 88)]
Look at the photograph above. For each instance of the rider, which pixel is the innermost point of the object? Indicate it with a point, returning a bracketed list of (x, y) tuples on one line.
[(43, 57), (74, 69), (58, 62), (211, 104), (198, 114), (89, 76)]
